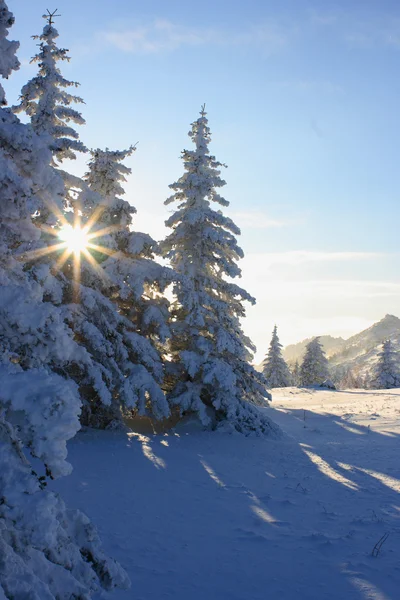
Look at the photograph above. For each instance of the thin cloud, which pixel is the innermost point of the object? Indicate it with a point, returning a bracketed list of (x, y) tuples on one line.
[(298, 257), (309, 86), (323, 18), (368, 37), (362, 29), (164, 36), (316, 128), (257, 220), (330, 289), (368, 32)]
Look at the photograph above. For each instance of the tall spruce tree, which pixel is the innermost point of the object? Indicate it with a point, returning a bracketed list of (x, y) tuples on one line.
[(314, 369), (386, 374), (44, 547), (47, 102), (275, 369), (210, 370)]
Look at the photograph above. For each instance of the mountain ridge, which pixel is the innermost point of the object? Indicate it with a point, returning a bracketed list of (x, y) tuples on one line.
[(355, 356), (294, 352), (335, 347)]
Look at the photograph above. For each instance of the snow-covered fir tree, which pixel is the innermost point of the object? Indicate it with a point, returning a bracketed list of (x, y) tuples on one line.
[(8, 48), (386, 374), (46, 550), (123, 369), (47, 101), (133, 281), (314, 369), (210, 372), (275, 369), (110, 291)]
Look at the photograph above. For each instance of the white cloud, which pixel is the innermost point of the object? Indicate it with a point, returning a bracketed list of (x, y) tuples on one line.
[(162, 35)]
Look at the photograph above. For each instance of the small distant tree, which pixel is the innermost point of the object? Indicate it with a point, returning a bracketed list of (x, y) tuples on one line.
[(352, 379), (210, 371), (296, 373), (47, 102), (275, 369), (314, 369), (386, 374)]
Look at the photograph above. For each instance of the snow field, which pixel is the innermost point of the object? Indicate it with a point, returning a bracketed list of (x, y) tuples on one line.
[(218, 516)]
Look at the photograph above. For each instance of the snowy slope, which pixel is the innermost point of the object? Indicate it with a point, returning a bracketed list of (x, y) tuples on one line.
[(225, 517)]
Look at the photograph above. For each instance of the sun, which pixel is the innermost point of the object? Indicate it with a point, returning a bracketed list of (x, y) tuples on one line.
[(76, 238)]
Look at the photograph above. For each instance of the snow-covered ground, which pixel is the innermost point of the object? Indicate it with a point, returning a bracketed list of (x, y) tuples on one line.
[(196, 516)]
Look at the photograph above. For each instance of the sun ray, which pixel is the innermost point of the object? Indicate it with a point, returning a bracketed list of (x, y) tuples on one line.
[(77, 219), (77, 276), (51, 230), (95, 216), (94, 264), (102, 249), (56, 211), (104, 231), (62, 260), (34, 254)]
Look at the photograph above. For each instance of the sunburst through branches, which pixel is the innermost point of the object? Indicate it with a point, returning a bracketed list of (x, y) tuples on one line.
[(75, 242)]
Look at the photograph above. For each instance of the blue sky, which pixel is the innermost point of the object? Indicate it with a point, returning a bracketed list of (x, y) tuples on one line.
[(303, 100)]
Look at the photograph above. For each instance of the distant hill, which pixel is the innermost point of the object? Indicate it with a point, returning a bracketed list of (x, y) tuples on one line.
[(331, 345), (359, 353)]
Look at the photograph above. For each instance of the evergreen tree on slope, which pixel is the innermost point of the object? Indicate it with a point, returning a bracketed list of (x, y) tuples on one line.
[(47, 102), (275, 369), (386, 374), (314, 369), (46, 550), (210, 354)]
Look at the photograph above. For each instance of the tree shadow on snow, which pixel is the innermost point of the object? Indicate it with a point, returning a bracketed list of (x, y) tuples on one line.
[(356, 481)]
